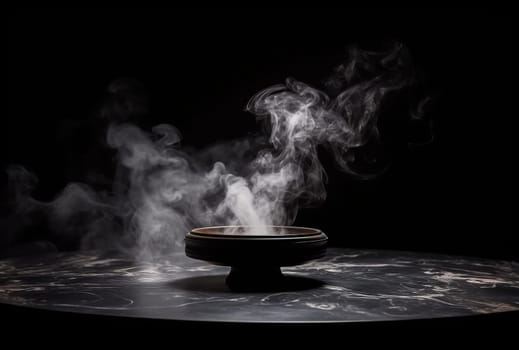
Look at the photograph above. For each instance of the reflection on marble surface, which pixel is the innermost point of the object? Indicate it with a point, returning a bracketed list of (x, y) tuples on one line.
[(345, 286)]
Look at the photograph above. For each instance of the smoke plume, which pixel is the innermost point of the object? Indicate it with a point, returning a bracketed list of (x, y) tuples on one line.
[(161, 191)]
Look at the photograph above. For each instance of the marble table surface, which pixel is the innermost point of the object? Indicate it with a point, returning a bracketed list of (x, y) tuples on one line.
[(345, 286)]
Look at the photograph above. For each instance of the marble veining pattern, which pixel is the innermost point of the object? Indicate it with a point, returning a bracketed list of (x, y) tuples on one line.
[(345, 286)]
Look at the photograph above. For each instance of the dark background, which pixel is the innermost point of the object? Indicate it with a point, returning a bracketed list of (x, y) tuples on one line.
[(200, 66)]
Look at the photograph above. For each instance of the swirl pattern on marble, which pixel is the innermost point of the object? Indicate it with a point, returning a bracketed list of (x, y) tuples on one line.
[(350, 286)]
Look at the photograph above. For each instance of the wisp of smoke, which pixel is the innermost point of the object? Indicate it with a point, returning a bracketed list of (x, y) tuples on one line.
[(162, 191)]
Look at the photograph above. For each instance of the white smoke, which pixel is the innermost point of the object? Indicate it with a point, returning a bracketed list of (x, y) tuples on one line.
[(162, 191)]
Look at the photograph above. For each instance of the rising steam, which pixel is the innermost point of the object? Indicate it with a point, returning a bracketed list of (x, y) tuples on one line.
[(162, 191)]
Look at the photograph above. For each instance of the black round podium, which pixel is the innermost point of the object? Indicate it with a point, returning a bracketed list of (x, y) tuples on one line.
[(344, 287)]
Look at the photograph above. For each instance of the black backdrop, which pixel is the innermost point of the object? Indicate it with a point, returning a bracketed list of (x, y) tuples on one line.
[(200, 66)]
